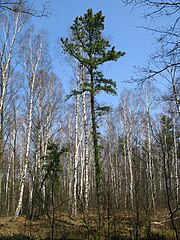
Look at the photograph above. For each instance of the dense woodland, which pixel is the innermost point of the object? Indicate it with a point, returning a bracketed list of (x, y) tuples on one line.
[(105, 172)]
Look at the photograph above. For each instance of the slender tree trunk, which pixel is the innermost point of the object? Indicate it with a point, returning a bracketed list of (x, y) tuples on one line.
[(76, 158), (77, 155), (150, 164), (175, 159), (6, 54), (14, 161), (22, 184), (129, 157), (167, 184), (70, 167), (177, 100), (86, 161), (125, 173), (1, 153), (45, 139), (7, 184), (31, 189), (43, 185), (96, 148)]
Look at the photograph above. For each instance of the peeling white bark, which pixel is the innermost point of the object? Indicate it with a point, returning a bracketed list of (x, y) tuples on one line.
[(34, 63)]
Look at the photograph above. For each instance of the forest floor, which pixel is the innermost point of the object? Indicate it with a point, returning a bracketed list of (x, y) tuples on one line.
[(119, 227)]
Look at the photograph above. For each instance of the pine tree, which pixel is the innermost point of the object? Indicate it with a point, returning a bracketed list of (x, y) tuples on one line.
[(91, 49), (53, 169)]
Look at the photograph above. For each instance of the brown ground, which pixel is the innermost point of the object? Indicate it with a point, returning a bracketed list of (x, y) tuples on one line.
[(68, 228)]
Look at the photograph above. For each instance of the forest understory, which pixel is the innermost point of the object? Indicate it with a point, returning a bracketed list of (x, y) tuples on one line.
[(122, 226)]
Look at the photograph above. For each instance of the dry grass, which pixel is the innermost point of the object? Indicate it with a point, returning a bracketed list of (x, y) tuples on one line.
[(118, 227)]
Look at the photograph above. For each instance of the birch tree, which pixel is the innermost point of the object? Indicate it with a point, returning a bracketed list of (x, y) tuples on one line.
[(130, 121), (10, 132), (32, 54), (86, 151), (11, 25)]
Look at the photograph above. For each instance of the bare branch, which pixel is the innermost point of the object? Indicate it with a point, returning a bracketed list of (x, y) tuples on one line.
[(23, 6), (156, 8)]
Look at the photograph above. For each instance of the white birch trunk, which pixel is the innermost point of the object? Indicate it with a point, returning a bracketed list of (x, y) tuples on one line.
[(150, 164), (7, 183), (86, 162), (77, 149), (125, 172), (14, 160), (70, 167), (34, 61), (76, 158), (6, 57), (27, 152), (175, 159), (129, 157)]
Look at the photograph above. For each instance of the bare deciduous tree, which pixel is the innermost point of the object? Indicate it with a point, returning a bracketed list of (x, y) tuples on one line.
[(32, 50)]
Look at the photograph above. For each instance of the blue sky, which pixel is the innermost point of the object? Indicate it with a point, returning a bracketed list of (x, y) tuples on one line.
[(121, 28)]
